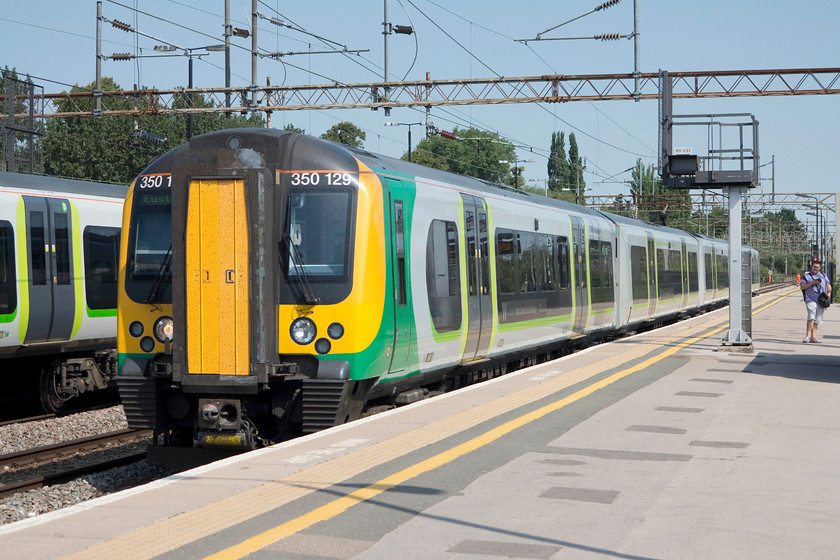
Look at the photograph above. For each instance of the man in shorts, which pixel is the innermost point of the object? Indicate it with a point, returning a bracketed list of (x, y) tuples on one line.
[(812, 284)]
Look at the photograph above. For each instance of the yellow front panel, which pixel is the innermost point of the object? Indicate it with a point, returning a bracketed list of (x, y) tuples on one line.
[(217, 278)]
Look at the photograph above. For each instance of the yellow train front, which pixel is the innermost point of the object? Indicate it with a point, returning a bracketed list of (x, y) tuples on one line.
[(246, 296)]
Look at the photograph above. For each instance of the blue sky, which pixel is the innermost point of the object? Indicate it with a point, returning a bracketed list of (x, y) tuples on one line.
[(54, 40)]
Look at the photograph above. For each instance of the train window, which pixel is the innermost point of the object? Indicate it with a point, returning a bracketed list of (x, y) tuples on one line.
[(38, 248), (722, 271), (319, 227), (443, 275), (102, 247), (545, 251), (639, 273), (62, 249), (607, 262), (595, 265), (8, 292), (484, 247), (399, 244), (527, 262), (505, 267), (472, 252), (564, 275), (710, 274), (693, 283), (153, 240)]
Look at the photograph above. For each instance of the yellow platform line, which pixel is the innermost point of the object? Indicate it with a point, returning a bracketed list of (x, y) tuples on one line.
[(181, 530)]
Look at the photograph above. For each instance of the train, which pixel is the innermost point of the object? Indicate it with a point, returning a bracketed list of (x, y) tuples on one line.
[(274, 284), (59, 250)]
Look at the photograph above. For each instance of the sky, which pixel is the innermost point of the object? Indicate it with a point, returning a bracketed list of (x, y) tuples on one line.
[(54, 42)]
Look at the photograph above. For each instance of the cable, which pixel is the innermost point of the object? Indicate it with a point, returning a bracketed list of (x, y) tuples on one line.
[(416, 41), (453, 39)]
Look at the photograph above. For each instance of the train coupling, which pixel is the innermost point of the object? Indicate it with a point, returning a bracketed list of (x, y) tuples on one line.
[(220, 425)]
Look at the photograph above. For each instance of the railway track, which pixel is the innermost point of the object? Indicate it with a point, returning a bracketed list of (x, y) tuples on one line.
[(33, 458)]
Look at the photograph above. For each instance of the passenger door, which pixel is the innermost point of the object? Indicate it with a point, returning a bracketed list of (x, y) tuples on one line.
[(399, 275), (653, 292), (581, 282), (479, 298), (51, 278)]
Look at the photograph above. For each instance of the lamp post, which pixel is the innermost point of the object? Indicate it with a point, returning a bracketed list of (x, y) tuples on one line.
[(409, 125), (516, 169), (817, 214), (188, 52)]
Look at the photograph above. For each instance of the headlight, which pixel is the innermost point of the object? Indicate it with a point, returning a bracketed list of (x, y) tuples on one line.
[(303, 330), (164, 329)]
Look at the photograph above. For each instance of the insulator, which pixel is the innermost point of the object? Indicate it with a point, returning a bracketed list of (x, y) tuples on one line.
[(120, 25), (403, 29), (244, 33), (121, 56), (608, 4), (608, 36), (447, 134)]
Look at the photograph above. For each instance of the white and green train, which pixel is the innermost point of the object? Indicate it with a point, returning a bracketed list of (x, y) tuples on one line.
[(59, 242), (274, 283)]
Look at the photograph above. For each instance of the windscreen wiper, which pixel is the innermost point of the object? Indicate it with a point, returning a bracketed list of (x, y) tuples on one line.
[(162, 276), (297, 261)]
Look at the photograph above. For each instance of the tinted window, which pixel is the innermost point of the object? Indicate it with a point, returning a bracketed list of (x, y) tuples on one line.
[(505, 267), (8, 293), (102, 246), (443, 276), (62, 249), (693, 282), (639, 272), (564, 274), (37, 248)]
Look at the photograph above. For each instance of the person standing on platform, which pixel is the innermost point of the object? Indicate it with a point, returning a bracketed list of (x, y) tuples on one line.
[(813, 284)]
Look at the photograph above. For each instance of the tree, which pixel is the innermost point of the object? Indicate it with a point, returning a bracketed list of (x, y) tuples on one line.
[(345, 133), (476, 153), (116, 148), (576, 167), (558, 166), (293, 128)]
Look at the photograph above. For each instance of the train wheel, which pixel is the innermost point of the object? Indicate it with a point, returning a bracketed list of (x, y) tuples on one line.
[(50, 399)]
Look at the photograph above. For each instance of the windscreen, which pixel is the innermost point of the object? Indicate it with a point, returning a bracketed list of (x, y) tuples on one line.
[(318, 244), (150, 247)]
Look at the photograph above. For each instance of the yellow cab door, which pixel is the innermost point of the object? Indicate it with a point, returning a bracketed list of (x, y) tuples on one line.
[(218, 333)]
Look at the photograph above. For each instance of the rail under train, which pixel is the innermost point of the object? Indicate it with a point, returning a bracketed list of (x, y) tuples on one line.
[(59, 248), (273, 283)]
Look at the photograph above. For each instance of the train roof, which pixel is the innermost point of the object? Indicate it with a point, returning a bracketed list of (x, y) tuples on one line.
[(480, 185), (61, 185)]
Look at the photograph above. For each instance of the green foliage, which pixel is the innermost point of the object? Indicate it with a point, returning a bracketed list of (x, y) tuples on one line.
[(111, 148), (558, 165), (477, 153), (346, 133), (658, 204), (293, 128), (576, 167)]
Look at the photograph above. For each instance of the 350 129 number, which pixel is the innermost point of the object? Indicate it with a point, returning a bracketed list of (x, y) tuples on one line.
[(314, 179), (157, 181)]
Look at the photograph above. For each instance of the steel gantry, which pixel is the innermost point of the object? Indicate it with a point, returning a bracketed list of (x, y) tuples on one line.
[(430, 93)]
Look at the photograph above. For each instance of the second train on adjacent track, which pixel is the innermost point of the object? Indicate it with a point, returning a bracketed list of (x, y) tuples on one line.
[(273, 283)]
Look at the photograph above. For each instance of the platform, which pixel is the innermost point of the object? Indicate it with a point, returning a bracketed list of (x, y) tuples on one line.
[(659, 446)]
